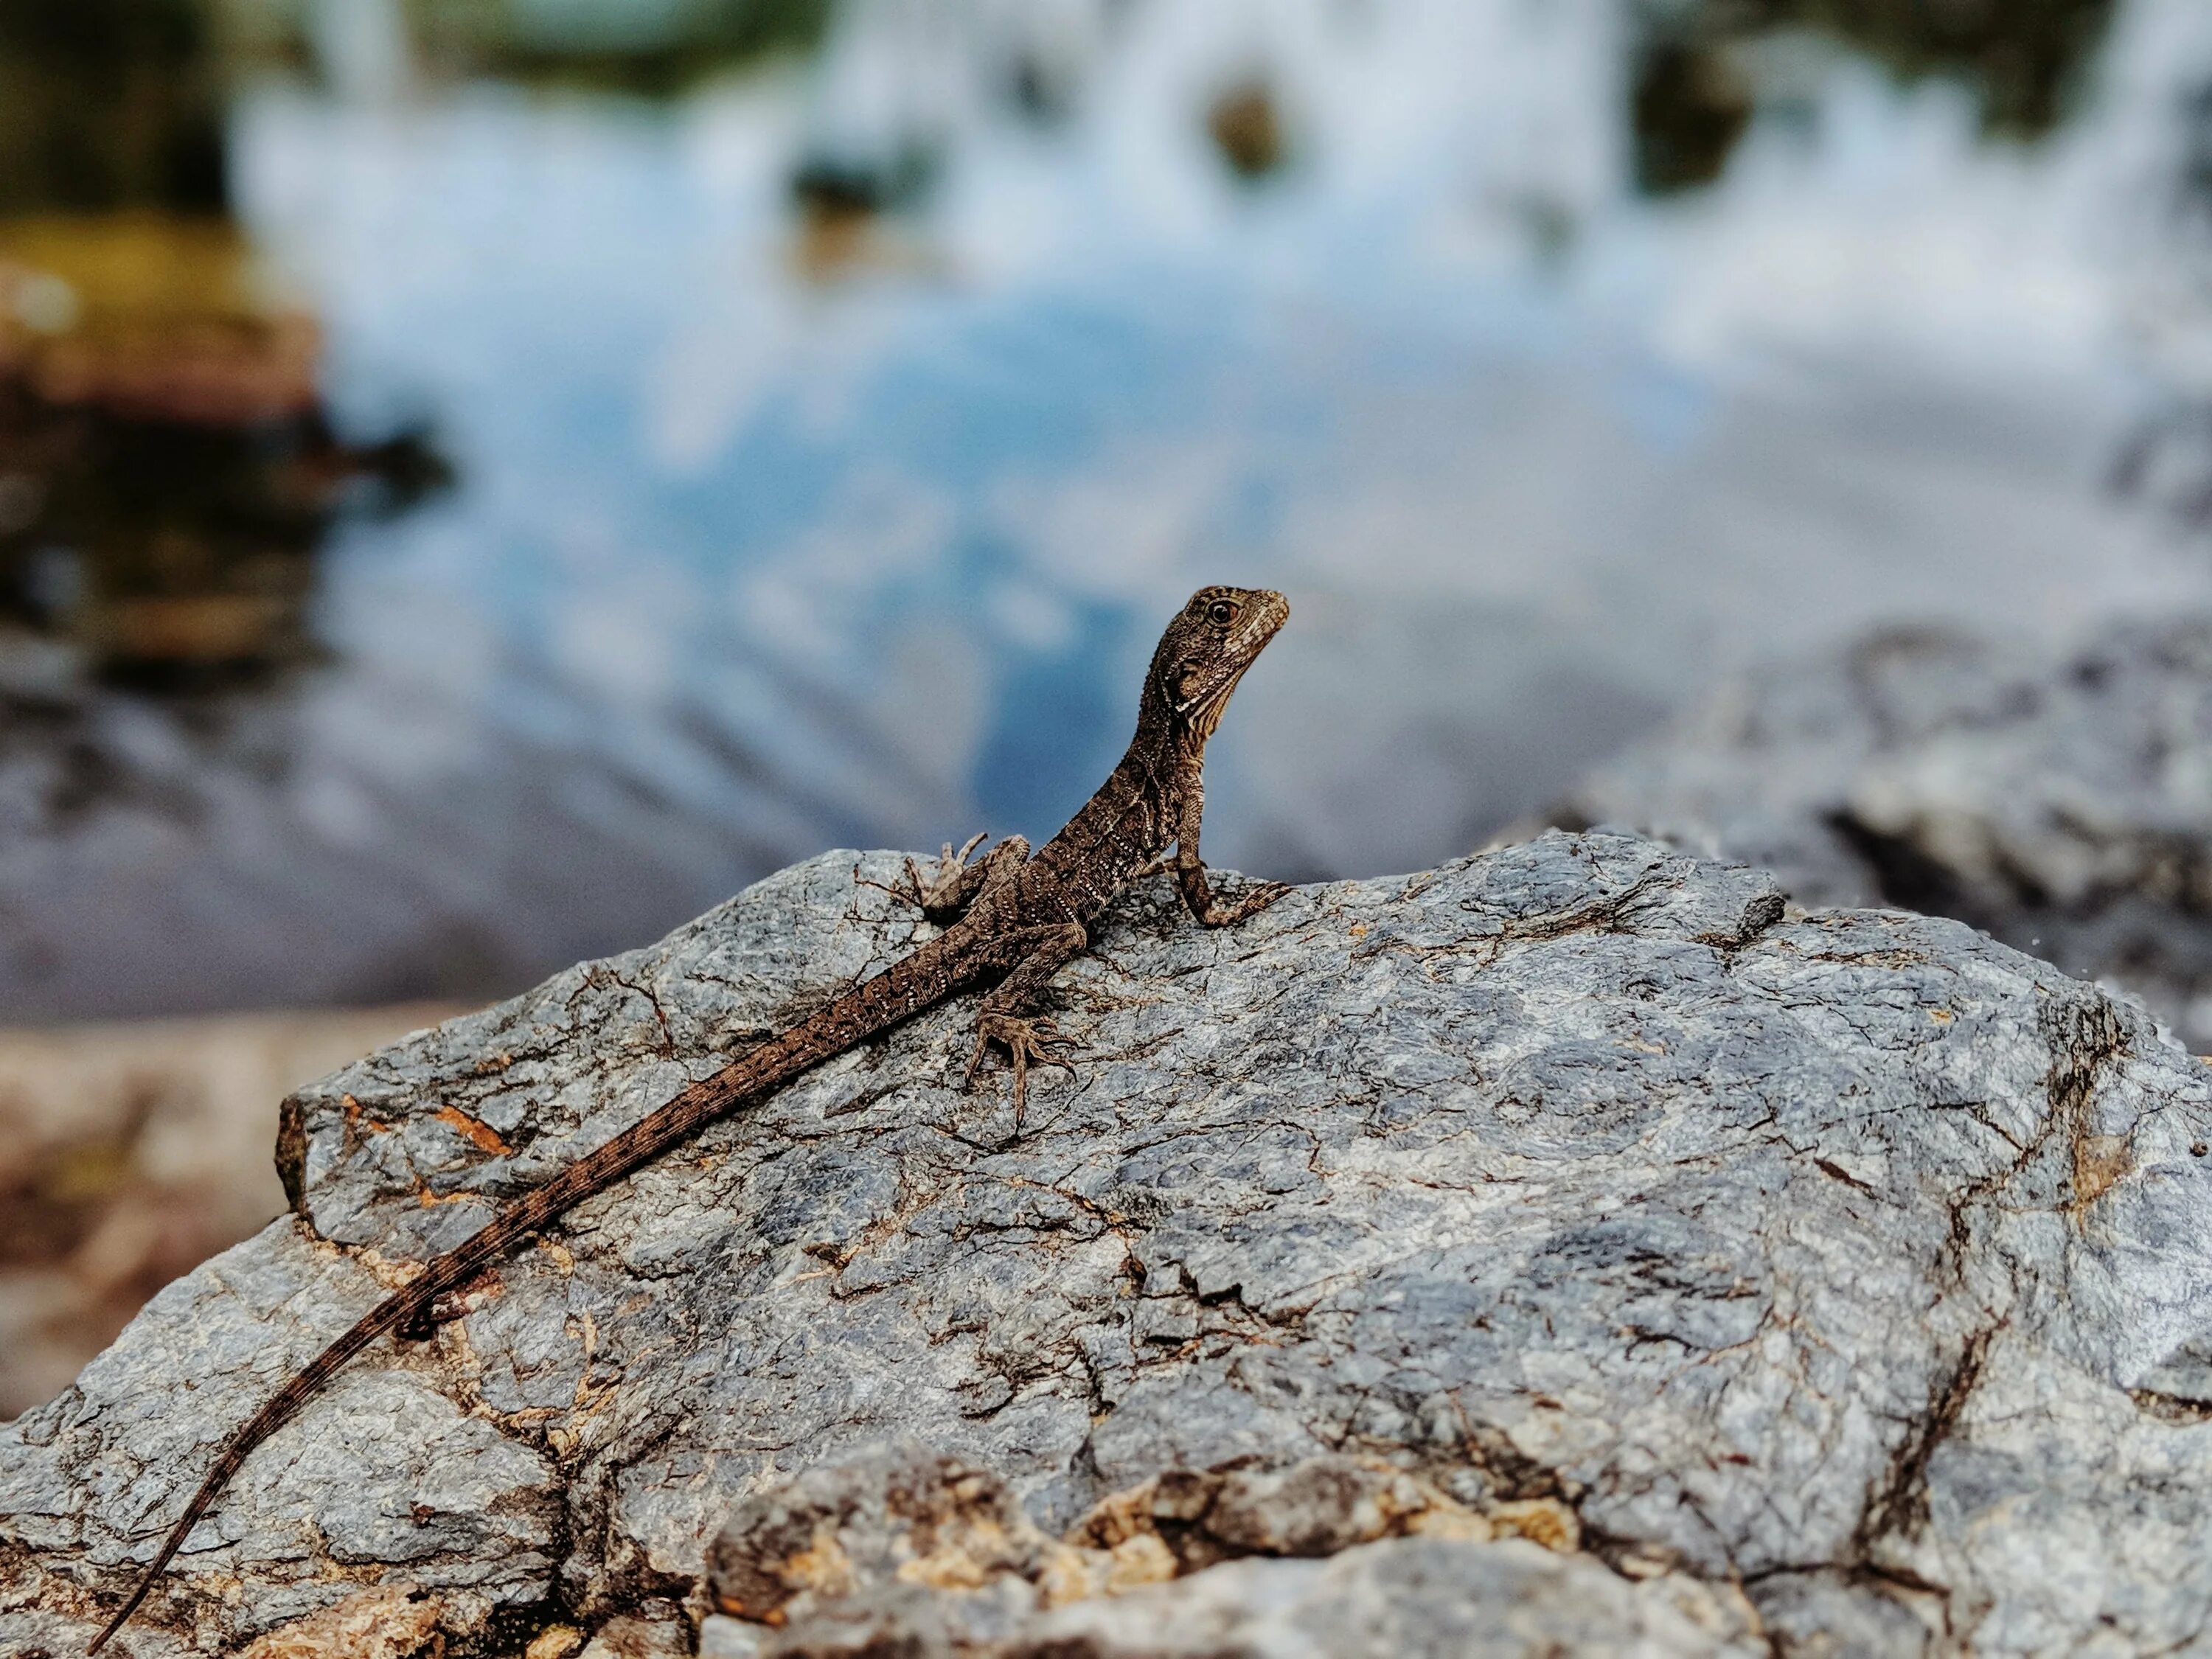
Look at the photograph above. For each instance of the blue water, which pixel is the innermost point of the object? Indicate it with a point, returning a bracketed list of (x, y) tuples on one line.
[(761, 544)]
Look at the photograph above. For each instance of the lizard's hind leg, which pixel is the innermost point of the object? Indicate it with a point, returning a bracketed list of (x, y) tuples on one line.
[(1009, 1016)]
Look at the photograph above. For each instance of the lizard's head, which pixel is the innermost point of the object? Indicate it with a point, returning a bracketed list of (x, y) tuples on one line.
[(1206, 651)]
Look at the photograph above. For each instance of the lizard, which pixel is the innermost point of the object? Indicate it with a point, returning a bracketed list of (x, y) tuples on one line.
[(1011, 920)]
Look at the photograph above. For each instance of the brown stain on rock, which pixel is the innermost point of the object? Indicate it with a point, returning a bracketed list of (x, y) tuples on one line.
[(2099, 1162), (394, 1622), (474, 1129)]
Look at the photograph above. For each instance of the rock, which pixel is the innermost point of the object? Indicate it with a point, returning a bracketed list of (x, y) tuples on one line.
[(666, 1634), (2061, 799), (1420, 1599), (900, 1547), (1187, 1519), (721, 1638), (904, 1551), (553, 1642), (1851, 1258), (1451, 1599), (899, 1515), (395, 1621)]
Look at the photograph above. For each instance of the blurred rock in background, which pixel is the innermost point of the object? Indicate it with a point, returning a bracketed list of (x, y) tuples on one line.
[(130, 1153), (2058, 798)]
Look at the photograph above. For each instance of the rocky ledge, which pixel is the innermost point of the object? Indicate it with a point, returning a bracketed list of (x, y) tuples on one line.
[(2059, 797), (1565, 1249)]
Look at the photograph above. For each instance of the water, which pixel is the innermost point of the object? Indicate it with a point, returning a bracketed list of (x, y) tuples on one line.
[(785, 519)]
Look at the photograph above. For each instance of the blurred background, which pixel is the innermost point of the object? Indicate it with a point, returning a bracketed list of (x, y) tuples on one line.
[(480, 480)]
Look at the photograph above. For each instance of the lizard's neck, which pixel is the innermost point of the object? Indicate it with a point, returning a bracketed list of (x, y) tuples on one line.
[(1129, 821)]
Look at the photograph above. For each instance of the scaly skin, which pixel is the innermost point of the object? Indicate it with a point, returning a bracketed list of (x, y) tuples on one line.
[(1012, 921)]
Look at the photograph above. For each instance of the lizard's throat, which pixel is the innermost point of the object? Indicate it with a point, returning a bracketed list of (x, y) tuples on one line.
[(1203, 719)]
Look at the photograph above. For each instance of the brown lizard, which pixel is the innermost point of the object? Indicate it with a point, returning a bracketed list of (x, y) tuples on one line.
[(1012, 921)]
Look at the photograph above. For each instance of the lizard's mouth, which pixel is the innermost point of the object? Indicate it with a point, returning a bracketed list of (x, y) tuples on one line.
[(1264, 617), (1270, 611)]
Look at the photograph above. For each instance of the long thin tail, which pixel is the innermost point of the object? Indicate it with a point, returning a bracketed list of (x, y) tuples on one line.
[(903, 989)]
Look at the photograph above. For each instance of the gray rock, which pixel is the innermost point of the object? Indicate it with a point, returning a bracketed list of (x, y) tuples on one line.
[(899, 1520), (1852, 1258), (1414, 1598), (899, 1546), (2061, 799), (902, 1551)]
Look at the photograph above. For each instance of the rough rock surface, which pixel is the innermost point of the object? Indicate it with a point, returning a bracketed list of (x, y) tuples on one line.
[(1422, 1598), (1851, 1259), (900, 1550), (2061, 799)]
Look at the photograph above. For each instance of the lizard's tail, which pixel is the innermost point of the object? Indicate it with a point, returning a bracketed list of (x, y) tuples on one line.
[(387, 1315), (904, 988)]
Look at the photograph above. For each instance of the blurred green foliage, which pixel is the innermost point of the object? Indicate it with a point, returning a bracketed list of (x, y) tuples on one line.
[(1691, 99), (2021, 57)]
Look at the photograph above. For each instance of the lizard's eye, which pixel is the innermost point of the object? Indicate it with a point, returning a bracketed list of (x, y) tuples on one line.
[(1221, 613)]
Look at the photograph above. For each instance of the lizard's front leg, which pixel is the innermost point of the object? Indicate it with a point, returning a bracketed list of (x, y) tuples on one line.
[(1009, 1016), (1190, 870)]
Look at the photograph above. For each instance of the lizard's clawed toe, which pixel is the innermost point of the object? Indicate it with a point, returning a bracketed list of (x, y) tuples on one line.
[(1249, 902), (934, 892), (1028, 1042)]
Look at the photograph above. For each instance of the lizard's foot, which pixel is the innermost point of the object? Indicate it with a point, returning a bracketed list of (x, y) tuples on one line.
[(1028, 1042), (941, 890), (1249, 902)]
